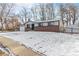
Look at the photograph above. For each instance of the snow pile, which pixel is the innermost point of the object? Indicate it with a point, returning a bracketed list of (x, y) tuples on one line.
[(48, 43)]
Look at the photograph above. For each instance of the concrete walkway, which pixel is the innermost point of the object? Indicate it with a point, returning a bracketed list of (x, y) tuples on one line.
[(17, 48)]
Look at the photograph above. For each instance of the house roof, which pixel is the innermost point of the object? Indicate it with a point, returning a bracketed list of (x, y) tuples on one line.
[(46, 21)]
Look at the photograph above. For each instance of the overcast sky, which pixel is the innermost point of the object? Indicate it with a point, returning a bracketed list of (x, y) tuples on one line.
[(18, 6)]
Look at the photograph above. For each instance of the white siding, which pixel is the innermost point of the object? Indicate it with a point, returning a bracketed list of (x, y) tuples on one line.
[(45, 24), (54, 23), (36, 25), (22, 28)]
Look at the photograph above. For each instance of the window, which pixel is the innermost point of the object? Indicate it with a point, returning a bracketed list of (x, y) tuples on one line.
[(36, 25), (45, 24), (49, 23)]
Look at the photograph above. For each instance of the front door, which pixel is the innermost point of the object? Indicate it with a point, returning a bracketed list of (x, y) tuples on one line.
[(32, 26)]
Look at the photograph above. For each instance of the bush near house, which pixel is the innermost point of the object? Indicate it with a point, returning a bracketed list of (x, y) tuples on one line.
[(9, 25)]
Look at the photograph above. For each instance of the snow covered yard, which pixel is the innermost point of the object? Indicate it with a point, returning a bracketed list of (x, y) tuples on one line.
[(48, 43)]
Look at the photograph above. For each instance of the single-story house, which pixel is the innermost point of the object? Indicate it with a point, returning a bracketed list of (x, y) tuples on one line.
[(47, 25)]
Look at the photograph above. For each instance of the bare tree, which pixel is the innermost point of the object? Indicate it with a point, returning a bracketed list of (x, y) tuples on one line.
[(23, 15), (73, 10), (34, 12), (5, 10), (62, 12), (10, 9), (69, 12), (44, 11)]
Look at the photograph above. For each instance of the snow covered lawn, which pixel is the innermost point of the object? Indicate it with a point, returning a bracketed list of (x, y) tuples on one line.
[(48, 43)]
